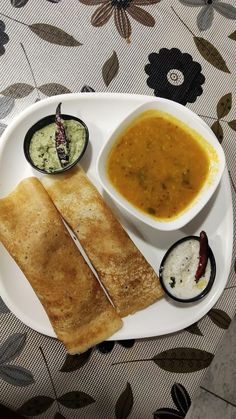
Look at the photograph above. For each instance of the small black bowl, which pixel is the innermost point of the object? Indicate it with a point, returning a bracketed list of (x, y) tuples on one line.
[(47, 120), (211, 280)]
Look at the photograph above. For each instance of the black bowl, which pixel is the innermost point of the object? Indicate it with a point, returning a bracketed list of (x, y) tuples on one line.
[(44, 122), (211, 280)]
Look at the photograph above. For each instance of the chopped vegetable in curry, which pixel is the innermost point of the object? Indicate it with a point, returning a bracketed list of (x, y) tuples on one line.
[(158, 165)]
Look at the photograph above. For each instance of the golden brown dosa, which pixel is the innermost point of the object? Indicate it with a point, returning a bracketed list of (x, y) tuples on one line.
[(33, 232), (128, 278)]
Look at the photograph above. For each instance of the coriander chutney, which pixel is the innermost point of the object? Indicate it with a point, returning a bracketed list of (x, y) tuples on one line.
[(42, 147)]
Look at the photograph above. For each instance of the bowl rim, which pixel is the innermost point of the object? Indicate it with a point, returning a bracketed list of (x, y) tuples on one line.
[(46, 120), (202, 198), (206, 290)]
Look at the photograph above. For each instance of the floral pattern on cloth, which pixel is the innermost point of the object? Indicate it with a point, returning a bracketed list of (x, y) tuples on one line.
[(4, 38), (208, 8), (174, 75), (122, 11)]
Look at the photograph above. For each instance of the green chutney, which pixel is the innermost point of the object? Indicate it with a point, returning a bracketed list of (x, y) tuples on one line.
[(42, 147)]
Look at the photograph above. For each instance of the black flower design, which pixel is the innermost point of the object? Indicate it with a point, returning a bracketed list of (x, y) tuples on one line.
[(107, 346), (174, 75), (4, 38)]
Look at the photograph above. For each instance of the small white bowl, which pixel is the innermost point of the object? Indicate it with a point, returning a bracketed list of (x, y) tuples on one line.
[(196, 124)]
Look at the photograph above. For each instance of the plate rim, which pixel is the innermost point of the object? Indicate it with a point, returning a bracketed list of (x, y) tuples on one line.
[(225, 181)]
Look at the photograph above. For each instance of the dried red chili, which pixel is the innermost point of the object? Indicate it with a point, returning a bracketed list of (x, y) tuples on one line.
[(60, 138), (203, 256)]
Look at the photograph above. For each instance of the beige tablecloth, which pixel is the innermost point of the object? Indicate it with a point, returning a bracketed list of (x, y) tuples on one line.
[(178, 49)]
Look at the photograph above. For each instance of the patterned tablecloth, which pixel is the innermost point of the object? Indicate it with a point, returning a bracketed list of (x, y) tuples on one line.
[(178, 49)]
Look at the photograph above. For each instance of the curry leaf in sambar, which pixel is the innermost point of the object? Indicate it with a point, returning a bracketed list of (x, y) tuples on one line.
[(211, 54), (54, 35), (183, 360), (124, 403)]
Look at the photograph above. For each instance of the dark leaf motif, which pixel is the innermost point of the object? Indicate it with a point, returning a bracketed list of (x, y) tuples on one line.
[(218, 130), (180, 398), (106, 347), (110, 69), (59, 415), (54, 1), (3, 308), (211, 54), (167, 414), (194, 330), (76, 399), (52, 89), (129, 343), (16, 376), (224, 105), (125, 403), (75, 362), (19, 3), (233, 36), (87, 89), (183, 360), (54, 35), (232, 124), (6, 106), (36, 406), (12, 347), (220, 318), (17, 90)]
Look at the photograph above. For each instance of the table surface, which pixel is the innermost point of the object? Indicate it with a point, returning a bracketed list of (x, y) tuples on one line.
[(183, 50)]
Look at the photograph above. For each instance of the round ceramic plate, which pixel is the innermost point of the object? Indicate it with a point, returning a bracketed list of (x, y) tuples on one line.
[(102, 112)]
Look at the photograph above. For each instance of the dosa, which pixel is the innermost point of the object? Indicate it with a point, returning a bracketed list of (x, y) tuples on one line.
[(129, 280), (33, 232)]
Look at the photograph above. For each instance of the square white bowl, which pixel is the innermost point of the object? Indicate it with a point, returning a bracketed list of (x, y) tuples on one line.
[(195, 123)]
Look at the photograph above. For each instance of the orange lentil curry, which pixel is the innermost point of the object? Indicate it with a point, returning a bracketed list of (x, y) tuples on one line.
[(158, 165)]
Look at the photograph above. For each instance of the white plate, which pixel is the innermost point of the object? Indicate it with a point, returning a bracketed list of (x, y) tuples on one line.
[(102, 112)]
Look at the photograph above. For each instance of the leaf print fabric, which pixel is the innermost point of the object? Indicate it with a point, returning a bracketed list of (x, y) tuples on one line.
[(146, 47), (122, 10), (208, 8), (174, 75), (4, 38), (181, 400), (14, 374)]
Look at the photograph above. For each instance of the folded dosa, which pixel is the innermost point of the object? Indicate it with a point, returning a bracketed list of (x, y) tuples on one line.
[(129, 280), (33, 232)]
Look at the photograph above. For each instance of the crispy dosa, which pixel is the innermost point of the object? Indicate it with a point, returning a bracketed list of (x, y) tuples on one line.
[(129, 280), (33, 232)]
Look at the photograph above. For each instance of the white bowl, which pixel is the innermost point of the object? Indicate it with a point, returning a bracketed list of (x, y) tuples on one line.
[(196, 124)]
